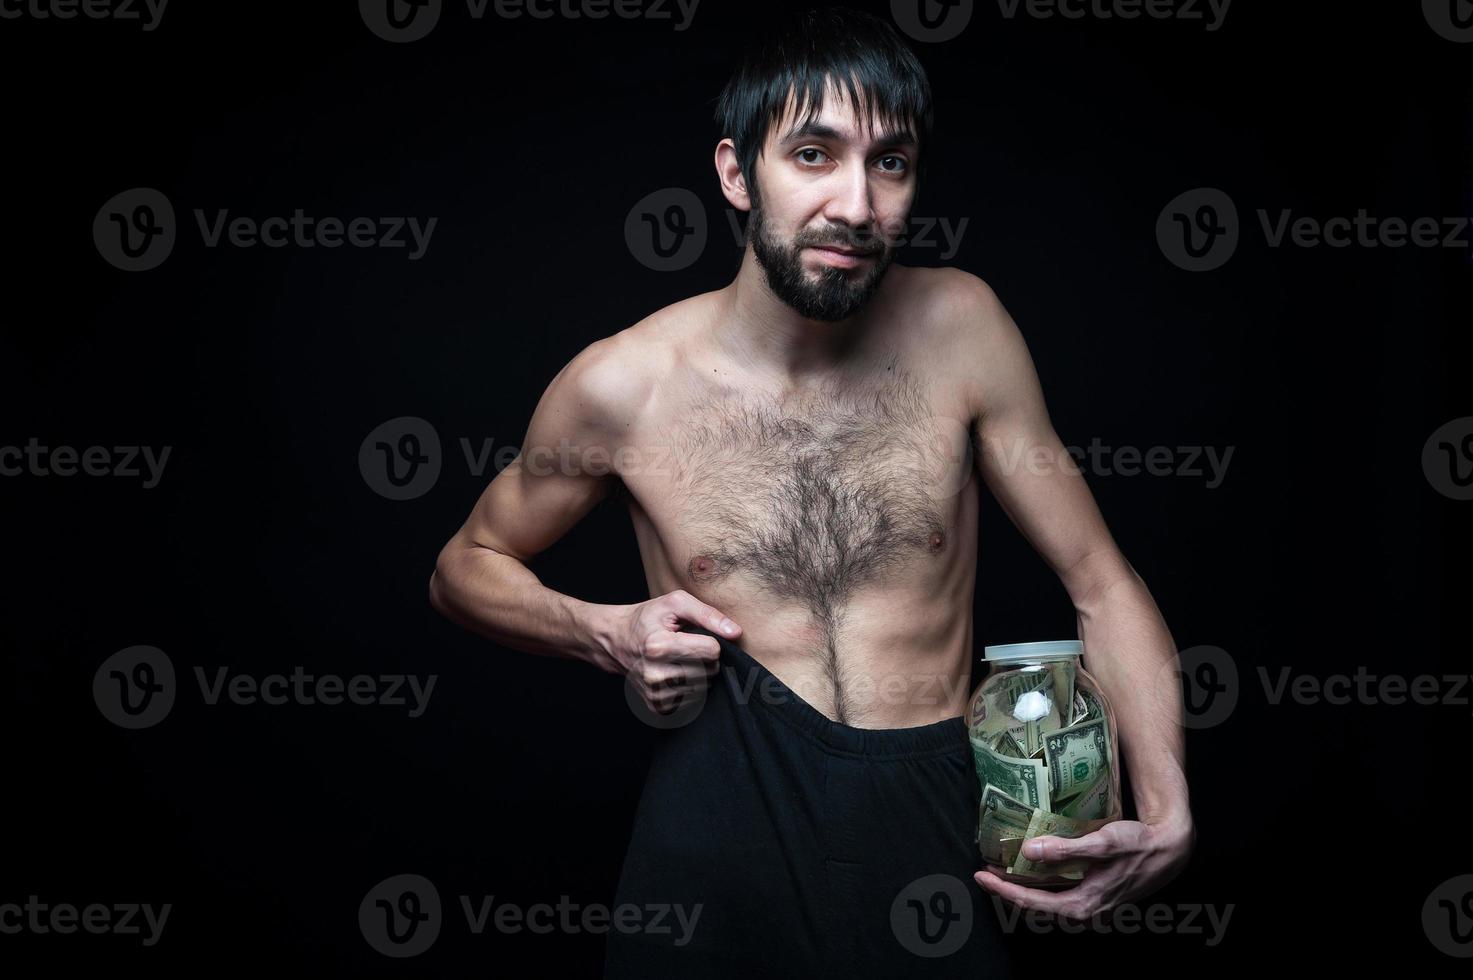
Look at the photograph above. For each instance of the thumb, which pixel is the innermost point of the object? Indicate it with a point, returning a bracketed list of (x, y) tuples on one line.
[(693, 610)]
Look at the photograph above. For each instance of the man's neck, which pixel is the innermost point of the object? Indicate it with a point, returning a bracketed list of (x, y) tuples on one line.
[(760, 331)]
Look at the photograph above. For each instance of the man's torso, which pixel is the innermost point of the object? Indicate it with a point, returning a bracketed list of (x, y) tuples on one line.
[(835, 521)]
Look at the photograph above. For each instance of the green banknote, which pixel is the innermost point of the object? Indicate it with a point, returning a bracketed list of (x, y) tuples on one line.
[(1002, 823), (1075, 756), (1026, 780)]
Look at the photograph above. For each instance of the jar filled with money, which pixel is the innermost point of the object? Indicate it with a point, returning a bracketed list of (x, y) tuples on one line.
[(1044, 744)]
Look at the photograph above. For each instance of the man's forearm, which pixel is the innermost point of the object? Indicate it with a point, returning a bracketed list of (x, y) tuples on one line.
[(500, 598), (1128, 649)]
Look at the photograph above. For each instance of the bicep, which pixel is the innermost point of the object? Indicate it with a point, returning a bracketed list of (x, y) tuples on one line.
[(1023, 462), (562, 470)]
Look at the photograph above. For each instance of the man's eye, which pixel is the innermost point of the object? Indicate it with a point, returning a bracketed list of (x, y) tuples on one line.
[(898, 169), (810, 150)]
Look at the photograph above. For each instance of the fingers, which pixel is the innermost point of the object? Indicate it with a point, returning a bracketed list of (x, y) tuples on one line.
[(1099, 845), (1074, 904), (671, 668), (687, 607)]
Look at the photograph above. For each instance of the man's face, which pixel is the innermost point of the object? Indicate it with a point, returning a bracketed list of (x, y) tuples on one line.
[(831, 200)]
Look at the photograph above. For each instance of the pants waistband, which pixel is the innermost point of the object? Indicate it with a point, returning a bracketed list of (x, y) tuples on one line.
[(750, 683)]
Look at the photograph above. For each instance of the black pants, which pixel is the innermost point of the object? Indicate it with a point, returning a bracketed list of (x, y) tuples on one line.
[(795, 846)]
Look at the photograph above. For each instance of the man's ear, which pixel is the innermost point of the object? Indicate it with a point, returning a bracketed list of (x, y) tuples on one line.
[(729, 172)]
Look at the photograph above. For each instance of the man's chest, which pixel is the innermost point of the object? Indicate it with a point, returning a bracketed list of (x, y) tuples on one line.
[(807, 496)]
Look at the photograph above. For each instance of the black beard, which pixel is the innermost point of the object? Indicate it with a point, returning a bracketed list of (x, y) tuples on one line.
[(835, 296)]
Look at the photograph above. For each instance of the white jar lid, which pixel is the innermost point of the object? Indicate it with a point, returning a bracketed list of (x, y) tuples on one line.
[(1031, 651)]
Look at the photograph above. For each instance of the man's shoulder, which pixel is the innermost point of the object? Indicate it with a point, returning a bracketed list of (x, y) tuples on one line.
[(615, 376), (952, 298), (959, 312)]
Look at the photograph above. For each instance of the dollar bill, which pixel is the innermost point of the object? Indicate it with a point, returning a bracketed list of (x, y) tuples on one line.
[(1075, 756), (1093, 709), (1002, 823), (1007, 745), (1046, 824), (1025, 780), (1079, 710), (1091, 803)]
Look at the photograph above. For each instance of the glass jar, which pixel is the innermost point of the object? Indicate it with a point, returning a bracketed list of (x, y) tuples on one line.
[(1044, 745)]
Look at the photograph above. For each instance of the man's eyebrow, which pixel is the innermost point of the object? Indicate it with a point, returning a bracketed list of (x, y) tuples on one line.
[(813, 130)]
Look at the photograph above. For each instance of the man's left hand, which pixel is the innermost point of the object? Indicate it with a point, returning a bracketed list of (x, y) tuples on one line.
[(1125, 859)]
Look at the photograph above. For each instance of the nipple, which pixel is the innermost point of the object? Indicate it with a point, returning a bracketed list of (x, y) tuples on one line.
[(936, 541), (701, 567)]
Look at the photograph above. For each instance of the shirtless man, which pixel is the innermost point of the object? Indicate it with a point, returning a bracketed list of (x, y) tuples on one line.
[(797, 451)]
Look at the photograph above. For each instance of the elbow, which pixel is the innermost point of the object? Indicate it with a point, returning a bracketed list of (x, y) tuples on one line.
[(441, 579)]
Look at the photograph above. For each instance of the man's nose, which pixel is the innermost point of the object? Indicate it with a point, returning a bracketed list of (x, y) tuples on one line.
[(850, 204)]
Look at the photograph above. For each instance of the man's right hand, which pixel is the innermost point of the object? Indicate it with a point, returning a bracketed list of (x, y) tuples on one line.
[(664, 664)]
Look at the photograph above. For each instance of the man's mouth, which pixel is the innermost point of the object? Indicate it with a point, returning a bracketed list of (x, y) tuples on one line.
[(842, 255)]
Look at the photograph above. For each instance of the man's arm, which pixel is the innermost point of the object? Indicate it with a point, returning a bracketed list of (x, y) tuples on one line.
[(481, 580), (1127, 646), (565, 467)]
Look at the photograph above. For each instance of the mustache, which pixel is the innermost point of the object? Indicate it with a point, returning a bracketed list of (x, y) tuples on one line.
[(866, 243)]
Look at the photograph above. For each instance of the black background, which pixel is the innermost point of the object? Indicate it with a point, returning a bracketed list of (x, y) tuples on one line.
[(263, 548)]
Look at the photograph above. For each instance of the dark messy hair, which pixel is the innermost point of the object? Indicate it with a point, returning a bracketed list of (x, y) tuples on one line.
[(851, 48)]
